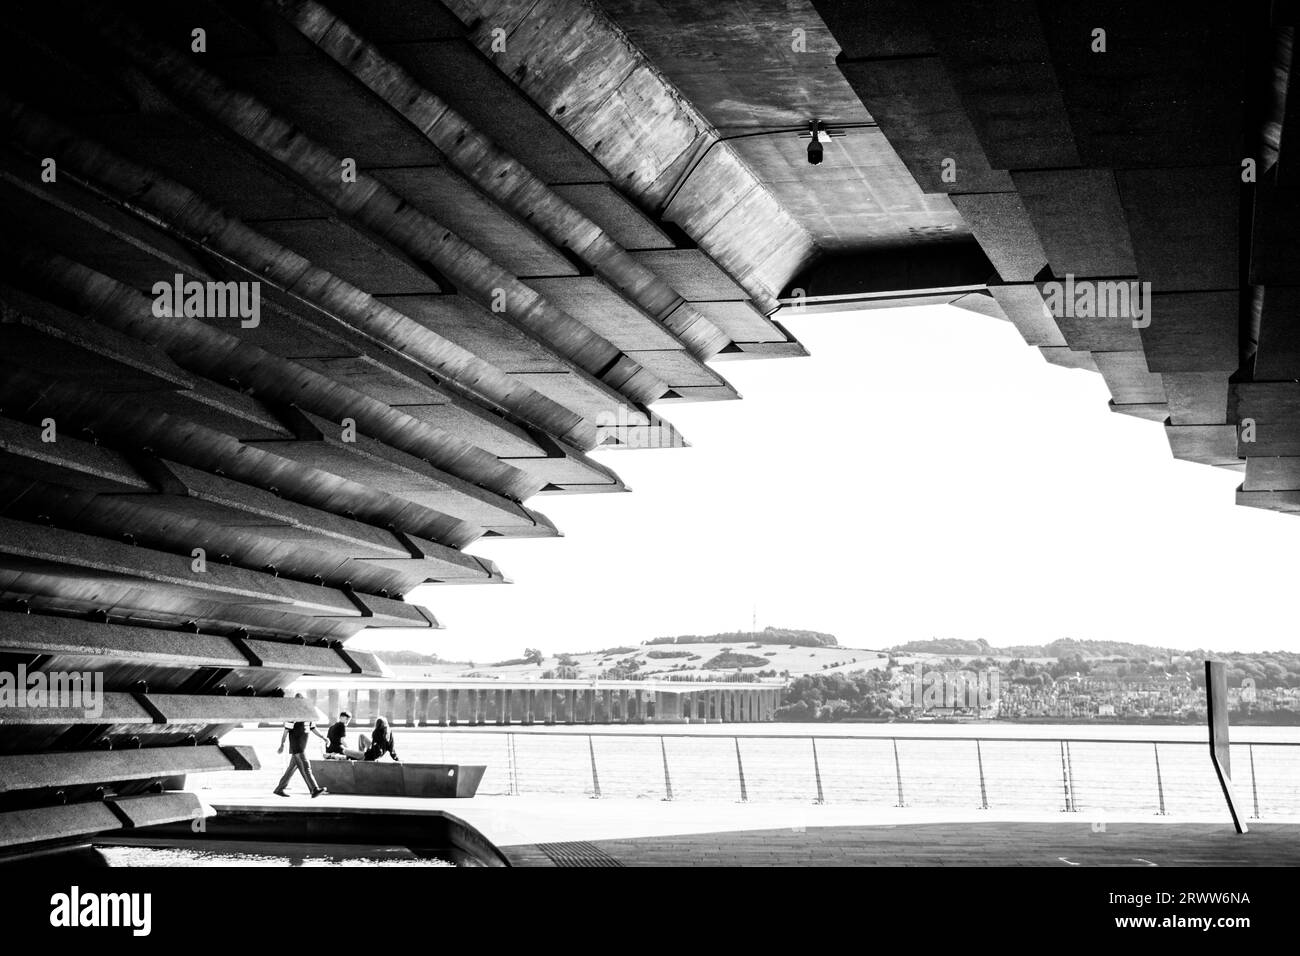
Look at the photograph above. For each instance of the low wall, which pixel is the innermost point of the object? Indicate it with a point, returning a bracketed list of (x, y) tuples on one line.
[(384, 779)]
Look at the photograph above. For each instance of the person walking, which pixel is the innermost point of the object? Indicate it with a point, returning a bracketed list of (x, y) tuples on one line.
[(296, 734)]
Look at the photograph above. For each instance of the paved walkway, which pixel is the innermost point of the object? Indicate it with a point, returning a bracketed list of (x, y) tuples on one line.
[(579, 832), (1059, 844)]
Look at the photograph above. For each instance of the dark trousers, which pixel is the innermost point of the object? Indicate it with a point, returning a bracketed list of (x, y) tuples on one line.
[(299, 763)]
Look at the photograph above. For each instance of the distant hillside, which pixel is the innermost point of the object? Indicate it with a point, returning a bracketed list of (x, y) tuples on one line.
[(946, 645), (1063, 647), (413, 659), (768, 635), (773, 654), (1069, 647)]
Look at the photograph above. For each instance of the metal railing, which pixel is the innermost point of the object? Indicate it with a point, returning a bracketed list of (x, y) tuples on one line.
[(1073, 775)]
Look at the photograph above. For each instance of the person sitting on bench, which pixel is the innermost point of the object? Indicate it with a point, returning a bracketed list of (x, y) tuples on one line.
[(380, 744), (334, 746)]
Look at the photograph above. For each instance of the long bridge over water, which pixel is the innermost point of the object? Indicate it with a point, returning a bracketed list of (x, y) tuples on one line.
[(449, 702)]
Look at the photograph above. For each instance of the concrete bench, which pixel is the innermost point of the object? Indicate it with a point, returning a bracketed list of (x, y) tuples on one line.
[(387, 779)]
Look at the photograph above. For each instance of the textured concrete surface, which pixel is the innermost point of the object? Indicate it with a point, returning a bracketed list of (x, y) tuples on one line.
[(536, 831), (937, 844)]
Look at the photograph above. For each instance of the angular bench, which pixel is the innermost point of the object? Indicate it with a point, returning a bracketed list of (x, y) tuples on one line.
[(398, 779)]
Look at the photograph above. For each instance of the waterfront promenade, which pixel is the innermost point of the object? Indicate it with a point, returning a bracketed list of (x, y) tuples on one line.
[(885, 766), (548, 832), (775, 794)]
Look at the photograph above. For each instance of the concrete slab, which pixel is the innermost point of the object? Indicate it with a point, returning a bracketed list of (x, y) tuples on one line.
[(1001, 224), (917, 108), (1079, 220)]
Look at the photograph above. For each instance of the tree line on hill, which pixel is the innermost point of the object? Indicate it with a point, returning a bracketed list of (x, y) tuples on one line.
[(768, 635), (1062, 647), (1268, 669)]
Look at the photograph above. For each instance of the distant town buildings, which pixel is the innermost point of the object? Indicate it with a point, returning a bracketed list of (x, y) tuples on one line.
[(1170, 696)]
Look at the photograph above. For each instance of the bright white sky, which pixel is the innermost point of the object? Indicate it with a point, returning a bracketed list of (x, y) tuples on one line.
[(923, 474)]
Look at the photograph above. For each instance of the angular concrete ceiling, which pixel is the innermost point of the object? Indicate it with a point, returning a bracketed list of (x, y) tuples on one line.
[(490, 236)]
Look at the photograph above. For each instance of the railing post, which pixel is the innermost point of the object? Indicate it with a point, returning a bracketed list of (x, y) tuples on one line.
[(1065, 780), (595, 777), (898, 771), (984, 796), (744, 793), (668, 781), (1160, 783), (1254, 789), (817, 772), (513, 772), (1069, 770)]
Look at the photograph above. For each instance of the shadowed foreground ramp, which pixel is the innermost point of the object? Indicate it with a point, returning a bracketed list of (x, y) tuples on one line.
[(938, 844)]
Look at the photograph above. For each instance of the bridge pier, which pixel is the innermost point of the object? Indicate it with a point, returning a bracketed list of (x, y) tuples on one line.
[(668, 707)]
